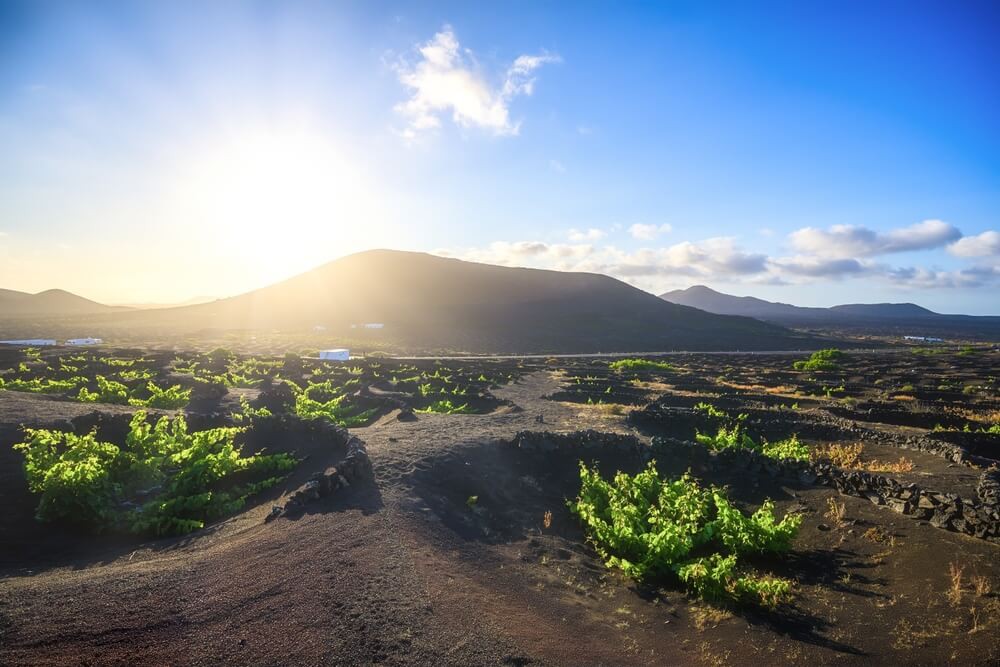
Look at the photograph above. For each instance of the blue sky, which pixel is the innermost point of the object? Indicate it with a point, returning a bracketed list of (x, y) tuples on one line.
[(813, 153)]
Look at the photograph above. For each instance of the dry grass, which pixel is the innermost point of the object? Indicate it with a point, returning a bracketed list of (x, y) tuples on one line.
[(603, 410), (877, 535), (903, 397), (547, 519), (955, 575), (650, 385), (836, 511), (706, 616), (849, 458), (902, 465), (842, 456), (975, 620), (982, 586)]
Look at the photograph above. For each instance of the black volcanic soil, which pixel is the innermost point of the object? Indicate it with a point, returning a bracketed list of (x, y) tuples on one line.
[(411, 571)]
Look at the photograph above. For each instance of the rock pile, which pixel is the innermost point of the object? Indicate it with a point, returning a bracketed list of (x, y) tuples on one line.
[(589, 441), (978, 517), (356, 468)]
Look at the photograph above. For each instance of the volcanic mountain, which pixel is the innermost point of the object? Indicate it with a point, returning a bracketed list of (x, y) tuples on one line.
[(50, 303), (435, 303), (899, 318)]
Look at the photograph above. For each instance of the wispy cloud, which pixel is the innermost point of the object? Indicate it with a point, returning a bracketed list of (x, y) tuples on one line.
[(858, 241), (723, 259), (591, 234), (557, 166), (446, 79), (986, 244), (648, 232)]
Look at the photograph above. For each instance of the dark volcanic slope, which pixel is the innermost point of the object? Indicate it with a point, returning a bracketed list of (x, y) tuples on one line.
[(50, 303), (901, 318), (437, 303)]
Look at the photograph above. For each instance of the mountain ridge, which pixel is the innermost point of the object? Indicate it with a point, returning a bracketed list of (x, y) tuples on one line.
[(906, 318), (431, 302)]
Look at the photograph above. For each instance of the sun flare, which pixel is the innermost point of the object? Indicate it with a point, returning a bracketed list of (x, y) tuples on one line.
[(267, 194)]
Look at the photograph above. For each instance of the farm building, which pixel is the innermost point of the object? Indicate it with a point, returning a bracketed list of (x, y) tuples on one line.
[(30, 342), (373, 325), (924, 339), (84, 341), (339, 354)]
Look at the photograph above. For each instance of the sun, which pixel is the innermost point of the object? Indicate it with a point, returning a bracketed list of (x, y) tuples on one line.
[(283, 197)]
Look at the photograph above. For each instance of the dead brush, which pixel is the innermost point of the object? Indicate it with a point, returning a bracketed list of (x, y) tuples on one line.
[(982, 586), (877, 535), (836, 511), (955, 575), (902, 465), (849, 458), (842, 456)]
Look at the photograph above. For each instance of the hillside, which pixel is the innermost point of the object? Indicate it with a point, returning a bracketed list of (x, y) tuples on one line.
[(434, 303), (897, 318), (50, 303)]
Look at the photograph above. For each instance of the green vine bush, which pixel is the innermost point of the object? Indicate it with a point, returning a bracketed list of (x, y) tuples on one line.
[(734, 437), (656, 530), (164, 480), (821, 360)]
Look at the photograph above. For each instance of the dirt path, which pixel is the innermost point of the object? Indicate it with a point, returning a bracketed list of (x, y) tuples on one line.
[(447, 562), (357, 581)]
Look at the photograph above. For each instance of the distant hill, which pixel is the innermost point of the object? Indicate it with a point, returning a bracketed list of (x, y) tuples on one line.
[(893, 318), (187, 302), (50, 303), (434, 303)]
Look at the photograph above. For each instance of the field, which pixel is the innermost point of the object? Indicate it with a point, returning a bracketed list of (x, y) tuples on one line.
[(467, 511)]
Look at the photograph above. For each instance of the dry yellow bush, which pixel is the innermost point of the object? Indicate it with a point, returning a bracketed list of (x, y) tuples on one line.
[(849, 457), (955, 573)]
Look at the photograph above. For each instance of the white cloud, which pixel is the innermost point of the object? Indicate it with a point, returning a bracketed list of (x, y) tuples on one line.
[(819, 267), (557, 166), (856, 241), (589, 235), (981, 245), (719, 259), (447, 79), (648, 232)]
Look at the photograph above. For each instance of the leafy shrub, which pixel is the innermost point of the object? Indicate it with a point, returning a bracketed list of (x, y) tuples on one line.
[(323, 400), (41, 385), (446, 407), (170, 398), (108, 391), (734, 437), (163, 480), (657, 529), (711, 410), (640, 365), (821, 360)]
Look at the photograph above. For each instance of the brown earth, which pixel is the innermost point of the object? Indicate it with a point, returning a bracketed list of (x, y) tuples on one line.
[(416, 571)]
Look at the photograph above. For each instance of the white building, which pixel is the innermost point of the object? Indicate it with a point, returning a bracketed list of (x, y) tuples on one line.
[(29, 342), (373, 325), (84, 341), (339, 354)]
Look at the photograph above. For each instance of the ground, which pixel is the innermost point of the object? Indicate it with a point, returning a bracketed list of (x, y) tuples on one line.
[(464, 551)]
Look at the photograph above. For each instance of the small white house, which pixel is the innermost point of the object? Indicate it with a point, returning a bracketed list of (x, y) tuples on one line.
[(84, 341), (373, 325), (340, 354)]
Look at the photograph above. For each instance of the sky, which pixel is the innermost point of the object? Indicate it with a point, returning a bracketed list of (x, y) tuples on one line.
[(807, 152)]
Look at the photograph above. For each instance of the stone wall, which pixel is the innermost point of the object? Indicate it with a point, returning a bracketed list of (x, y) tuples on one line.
[(979, 517)]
